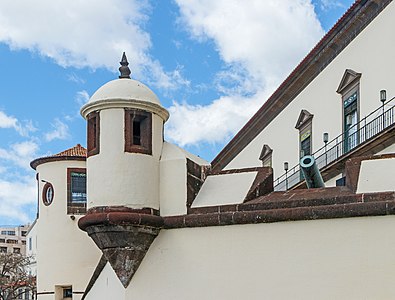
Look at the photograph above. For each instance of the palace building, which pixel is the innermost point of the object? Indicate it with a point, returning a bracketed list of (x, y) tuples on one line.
[(135, 217)]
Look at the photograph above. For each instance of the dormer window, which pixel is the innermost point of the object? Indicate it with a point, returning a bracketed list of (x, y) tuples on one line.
[(138, 131)]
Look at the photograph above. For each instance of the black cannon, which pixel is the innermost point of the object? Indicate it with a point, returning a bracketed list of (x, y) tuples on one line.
[(311, 172)]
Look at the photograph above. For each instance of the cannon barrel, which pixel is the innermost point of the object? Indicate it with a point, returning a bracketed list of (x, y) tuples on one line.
[(311, 172)]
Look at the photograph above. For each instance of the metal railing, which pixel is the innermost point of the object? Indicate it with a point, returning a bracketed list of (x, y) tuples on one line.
[(364, 130)]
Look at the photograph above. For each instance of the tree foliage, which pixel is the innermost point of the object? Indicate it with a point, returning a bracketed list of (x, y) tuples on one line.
[(14, 276)]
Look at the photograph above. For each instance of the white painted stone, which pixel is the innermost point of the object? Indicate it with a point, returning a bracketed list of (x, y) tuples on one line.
[(173, 179), (224, 189), (377, 175), (347, 258), (389, 150), (116, 177), (65, 254), (107, 286)]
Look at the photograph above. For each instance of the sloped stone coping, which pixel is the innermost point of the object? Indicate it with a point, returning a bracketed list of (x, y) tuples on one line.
[(346, 206)]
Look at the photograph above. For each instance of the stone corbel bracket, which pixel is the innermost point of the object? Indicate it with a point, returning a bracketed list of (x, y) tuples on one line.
[(123, 235)]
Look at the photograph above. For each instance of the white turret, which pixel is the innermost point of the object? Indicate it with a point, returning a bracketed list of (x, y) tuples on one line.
[(125, 139)]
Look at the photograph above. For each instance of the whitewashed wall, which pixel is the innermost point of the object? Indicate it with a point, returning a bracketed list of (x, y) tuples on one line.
[(323, 259), (116, 177), (377, 175), (65, 254), (107, 286)]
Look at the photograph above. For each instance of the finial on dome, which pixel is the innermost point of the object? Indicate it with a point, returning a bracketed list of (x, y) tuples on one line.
[(124, 69)]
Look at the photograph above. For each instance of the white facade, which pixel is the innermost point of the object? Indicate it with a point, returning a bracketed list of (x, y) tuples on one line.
[(324, 259), (13, 239), (65, 257), (370, 54)]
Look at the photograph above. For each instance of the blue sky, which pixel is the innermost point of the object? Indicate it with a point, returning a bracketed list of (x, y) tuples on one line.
[(211, 63)]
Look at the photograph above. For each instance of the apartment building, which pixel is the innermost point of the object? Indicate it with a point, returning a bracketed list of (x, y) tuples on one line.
[(13, 239)]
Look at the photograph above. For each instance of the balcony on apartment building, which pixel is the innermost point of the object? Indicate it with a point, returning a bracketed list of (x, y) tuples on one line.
[(369, 136)]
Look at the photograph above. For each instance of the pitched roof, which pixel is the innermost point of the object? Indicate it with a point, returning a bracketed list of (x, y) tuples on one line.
[(74, 153), (77, 150), (355, 19)]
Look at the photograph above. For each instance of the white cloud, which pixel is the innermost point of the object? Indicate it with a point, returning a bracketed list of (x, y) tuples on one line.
[(12, 122), (75, 78), (266, 37), (331, 4), (213, 123), (15, 196), (20, 154), (7, 121), (86, 33), (60, 131), (82, 97), (260, 42), (17, 191)]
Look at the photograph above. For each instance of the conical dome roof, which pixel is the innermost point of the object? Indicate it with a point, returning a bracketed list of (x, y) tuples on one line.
[(125, 93), (124, 89)]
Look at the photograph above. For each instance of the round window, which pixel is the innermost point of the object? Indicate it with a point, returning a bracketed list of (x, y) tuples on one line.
[(48, 193)]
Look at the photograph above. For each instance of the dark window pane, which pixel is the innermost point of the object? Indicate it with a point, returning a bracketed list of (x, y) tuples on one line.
[(305, 147), (78, 187), (136, 133)]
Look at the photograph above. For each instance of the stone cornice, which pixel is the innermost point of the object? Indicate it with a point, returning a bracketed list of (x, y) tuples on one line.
[(125, 103)]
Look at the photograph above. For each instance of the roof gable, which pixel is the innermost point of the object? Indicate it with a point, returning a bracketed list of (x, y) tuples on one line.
[(266, 151), (304, 117), (349, 78), (77, 150)]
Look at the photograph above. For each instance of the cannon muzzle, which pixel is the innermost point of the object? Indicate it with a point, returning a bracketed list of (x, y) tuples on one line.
[(311, 172)]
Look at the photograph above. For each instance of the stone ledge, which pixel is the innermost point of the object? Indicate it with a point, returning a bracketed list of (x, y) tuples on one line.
[(373, 207), (120, 218)]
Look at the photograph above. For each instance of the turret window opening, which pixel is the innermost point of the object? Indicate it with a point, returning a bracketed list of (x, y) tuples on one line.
[(93, 133), (138, 132)]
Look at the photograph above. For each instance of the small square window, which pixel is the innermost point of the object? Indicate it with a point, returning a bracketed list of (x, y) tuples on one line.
[(138, 132), (67, 293)]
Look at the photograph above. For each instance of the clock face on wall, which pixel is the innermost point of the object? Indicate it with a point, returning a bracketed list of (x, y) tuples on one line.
[(48, 193)]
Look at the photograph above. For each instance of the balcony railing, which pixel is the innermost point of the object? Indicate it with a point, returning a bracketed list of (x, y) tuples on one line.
[(364, 130)]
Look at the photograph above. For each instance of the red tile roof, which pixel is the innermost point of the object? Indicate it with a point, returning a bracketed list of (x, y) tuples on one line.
[(77, 150), (75, 153)]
